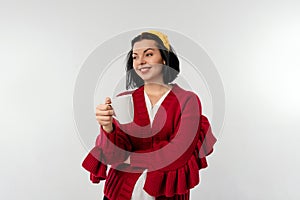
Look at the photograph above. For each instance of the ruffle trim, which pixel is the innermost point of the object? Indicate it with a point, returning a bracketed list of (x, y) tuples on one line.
[(182, 179), (96, 168), (179, 181)]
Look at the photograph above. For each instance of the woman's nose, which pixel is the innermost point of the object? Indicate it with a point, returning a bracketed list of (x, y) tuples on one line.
[(142, 60)]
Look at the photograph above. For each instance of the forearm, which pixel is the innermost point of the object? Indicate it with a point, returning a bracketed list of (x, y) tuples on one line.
[(115, 145)]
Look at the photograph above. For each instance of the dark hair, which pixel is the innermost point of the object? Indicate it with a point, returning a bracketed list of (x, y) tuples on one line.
[(170, 68)]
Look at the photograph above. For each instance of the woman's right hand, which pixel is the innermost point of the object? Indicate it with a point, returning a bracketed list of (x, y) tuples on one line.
[(104, 113)]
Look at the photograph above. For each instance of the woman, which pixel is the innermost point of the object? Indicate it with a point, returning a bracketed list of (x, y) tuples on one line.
[(160, 153)]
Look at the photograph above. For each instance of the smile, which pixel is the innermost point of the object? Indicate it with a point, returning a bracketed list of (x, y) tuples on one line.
[(144, 69)]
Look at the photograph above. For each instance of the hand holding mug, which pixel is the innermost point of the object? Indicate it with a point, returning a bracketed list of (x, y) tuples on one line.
[(104, 113)]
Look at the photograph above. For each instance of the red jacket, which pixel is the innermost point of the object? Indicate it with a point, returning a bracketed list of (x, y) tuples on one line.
[(173, 149)]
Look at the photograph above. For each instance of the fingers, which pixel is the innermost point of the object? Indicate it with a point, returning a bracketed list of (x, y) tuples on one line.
[(107, 100), (104, 107), (104, 120), (104, 113)]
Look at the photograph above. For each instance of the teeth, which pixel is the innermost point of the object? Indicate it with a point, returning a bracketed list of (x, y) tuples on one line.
[(144, 69)]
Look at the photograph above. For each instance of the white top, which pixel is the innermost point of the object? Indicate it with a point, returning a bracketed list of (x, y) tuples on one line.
[(152, 110), (138, 191)]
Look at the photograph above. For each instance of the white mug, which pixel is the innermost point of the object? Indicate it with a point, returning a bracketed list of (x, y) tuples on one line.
[(123, 108)]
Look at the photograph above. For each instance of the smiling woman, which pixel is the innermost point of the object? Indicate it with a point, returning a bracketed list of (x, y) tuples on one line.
[(159, 154), (147, 61), (151, 49)]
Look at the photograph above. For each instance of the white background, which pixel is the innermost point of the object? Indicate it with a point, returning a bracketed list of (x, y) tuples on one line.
[(255, 46)]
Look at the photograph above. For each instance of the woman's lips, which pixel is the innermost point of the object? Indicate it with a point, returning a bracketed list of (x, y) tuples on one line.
[(144, 69)]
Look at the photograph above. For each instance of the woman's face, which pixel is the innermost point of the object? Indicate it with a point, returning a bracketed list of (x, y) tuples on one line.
[(147, 61)]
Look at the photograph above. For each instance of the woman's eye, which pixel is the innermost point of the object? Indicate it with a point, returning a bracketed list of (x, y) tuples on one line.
[(149, 54), (133, 57)]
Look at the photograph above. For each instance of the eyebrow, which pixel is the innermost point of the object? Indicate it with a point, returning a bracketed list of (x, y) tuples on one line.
[(146, 50)]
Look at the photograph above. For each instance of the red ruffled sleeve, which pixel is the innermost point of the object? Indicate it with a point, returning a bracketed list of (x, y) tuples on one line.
[(93, 165), (110, 148), (181, 180)]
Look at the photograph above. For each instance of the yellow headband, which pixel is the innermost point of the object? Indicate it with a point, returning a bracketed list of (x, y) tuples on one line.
[(163, 37)]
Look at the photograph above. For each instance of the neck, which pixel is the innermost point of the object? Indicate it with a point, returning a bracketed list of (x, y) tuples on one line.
[(156, 88)]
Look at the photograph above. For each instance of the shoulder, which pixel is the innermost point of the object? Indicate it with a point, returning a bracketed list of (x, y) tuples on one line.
[(183, 94), (188, 100)]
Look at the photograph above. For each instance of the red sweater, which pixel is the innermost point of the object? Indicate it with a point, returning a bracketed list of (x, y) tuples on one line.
[(173, 149)]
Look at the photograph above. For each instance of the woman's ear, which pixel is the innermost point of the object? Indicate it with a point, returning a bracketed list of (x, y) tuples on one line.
[(164, 62)]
